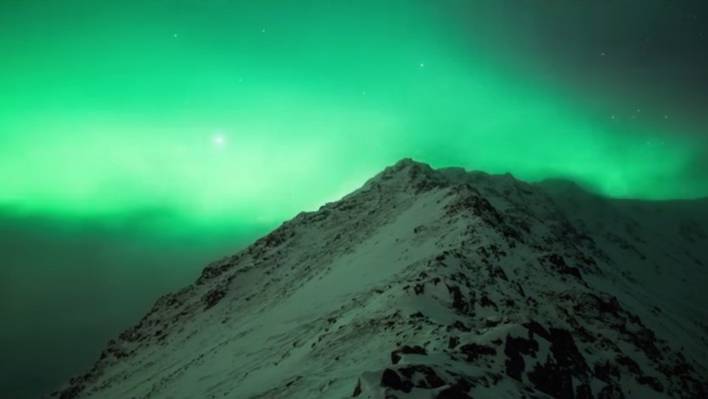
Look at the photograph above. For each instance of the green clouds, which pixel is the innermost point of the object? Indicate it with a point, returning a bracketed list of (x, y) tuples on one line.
[(68, 284)]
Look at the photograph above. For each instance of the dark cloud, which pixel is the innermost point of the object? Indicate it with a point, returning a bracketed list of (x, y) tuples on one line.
[(616, 55), (67, 286)]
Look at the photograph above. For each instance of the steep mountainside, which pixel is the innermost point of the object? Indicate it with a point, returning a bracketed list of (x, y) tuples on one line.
[(437, 284)]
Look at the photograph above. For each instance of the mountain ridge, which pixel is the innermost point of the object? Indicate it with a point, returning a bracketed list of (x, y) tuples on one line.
[(433, 283)]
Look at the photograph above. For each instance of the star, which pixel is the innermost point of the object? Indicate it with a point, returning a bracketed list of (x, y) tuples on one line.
[(218, 140), (422, 65), (175, 35)]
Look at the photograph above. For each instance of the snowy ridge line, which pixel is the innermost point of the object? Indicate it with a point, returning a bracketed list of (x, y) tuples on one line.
[(442, 284)]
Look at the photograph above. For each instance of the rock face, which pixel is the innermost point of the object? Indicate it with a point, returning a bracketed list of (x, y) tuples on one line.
[(437, 284)]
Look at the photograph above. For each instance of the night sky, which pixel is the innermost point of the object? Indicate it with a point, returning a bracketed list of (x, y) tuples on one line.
[(139, 139)]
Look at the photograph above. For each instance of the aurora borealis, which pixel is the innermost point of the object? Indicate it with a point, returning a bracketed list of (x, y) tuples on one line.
[(114, 106), (238, 114)]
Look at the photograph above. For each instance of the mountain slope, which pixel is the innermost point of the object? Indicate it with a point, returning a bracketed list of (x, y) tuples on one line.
[(436, 284)]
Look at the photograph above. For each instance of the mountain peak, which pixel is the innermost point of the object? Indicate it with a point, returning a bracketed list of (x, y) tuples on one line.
[(406, 168), (434, 284), (408, 162)]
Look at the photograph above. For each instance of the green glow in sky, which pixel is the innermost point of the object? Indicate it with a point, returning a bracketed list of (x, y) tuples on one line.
[(257, 110)]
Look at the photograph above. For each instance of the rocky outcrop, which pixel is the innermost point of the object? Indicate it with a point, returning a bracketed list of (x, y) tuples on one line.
[(432, 283)]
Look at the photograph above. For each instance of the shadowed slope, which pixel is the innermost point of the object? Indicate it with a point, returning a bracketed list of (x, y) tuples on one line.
[(433, 284)]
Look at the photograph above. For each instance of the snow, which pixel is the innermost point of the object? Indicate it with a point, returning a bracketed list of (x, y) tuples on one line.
[(423, 257)]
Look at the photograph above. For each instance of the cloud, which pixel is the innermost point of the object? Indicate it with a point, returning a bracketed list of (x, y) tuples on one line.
[(67, 285)]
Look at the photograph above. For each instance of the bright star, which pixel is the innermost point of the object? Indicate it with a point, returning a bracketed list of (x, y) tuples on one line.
[(218, 139)]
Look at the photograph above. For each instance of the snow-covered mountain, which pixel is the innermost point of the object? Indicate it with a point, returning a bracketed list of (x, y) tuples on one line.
[(437, 284)]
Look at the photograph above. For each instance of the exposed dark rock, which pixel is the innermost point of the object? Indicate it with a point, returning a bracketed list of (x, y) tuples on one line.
[(419, 289), (458, 300), (630, 364), (210, 272), (566, 352), (213, 297), (610, 392), (459, 390), (417, 315), (497, 272), (513, 349), (71, 392), (478, 205), (430, 378), (558, 263), (453, 341), (391, 379), (407, 350), (485, 301), (552, 379), (583, 391), (644, 339), (357, 389), (606, 371), (610, 305), (653, 382), (537, 329), (459, 325), (555, 376), (474, 351)]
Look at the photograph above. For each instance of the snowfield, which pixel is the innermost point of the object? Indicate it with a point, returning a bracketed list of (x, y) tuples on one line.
[(437, 284)]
